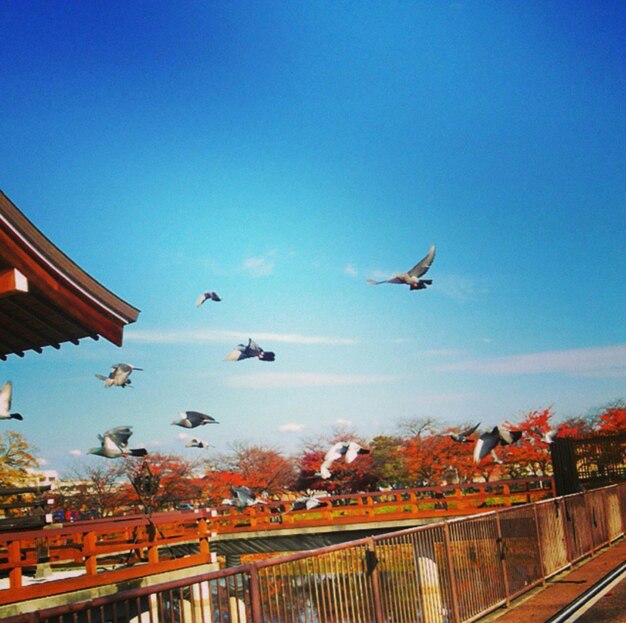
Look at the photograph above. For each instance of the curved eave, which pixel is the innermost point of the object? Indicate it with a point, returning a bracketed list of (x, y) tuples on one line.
[(57, 290)]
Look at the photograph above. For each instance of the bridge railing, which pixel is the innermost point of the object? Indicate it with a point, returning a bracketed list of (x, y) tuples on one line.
[(124, 548), (450, 572)]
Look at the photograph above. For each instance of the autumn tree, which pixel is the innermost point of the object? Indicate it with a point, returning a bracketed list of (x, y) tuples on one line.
[(389, 468), (16, 458), (94, 488), (612, 419)]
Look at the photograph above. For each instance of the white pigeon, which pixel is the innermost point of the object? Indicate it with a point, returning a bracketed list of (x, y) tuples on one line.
[(191, 419), (114, 444), (119, 375), (6, 395), (348, 449), (252, 349), (307, 503), (412, 277), (206, 296)]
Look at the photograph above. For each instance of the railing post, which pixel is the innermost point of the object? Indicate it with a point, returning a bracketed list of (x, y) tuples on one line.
[(539, 545), (372, 572), (15, 558), (255, 594), (451, 575), (502, 547), (89, 553)]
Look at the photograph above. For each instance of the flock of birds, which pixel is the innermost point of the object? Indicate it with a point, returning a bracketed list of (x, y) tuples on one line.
[(114, 442)]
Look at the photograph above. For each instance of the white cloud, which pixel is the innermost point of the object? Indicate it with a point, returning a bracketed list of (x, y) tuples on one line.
[(227, 336), (260, 266), (304, 379), (443, 352), (607, 361), (75, 452), (343, 422), (183, 436), (291, 427), (351, 270)]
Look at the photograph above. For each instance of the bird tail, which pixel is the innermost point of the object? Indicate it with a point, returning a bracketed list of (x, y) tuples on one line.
[(428, 282), (16, 416), (371, 282), (138, 452), (267, 355), (101, 377)]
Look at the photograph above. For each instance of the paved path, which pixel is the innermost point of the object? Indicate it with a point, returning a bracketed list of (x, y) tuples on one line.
[(562, 590)]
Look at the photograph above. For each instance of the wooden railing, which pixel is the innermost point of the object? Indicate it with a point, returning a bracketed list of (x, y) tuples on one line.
[(130, 547)]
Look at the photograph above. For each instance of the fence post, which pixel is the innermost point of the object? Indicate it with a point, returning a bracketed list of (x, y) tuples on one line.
[(502, 548), (255, 594), (452, 577), (89, 553), (14, 558), (372, 571), (539, 545)]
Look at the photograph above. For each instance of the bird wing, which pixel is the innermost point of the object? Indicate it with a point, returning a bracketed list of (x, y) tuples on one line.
[(469, 431), (390, 280), (336, 452), (110, 447), (215, 297), (508, 436), (484, 445), (324, 471), (5, 398), (119, 435), (253, 347), (197, 418), (423, 265), (203, 297), (354, 449), (236, 354)]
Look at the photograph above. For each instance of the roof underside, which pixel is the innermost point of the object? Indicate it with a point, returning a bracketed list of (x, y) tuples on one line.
[(45, 298)]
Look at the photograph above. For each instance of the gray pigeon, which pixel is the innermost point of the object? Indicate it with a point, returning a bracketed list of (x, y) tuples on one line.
[(488, 441), (119, 375), (6, 395), (412, 278), (307, 503), (242, 497), (207, 296), (191, 419), (197, 443), (114, 444), (251, 350), (462, 437)]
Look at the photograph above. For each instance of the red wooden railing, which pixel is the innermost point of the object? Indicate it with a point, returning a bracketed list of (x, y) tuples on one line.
[(136, 546)]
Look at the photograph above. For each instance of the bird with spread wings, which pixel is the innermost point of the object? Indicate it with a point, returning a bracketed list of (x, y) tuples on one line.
[(412, 278)]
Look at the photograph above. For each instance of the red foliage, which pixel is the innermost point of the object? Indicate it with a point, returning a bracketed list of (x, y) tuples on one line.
[(612, 419)]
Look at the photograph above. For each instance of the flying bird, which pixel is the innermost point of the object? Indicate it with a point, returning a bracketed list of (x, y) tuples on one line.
[(119, 375), (242, 497), (191, 419), (488, 441), (205, 296), (307, 503), (114, 444), (548, 437), (348, 449), (412, 278), (251, 350), (197, 443), (6, 394), (462, 437)]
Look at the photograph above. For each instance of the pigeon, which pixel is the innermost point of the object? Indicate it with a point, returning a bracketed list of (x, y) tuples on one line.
[(488, 441), (251, 350), (119, 375), (412, 278), (191, 419), (548, 437), (197, 443), (348, 449), (242, 498), (307, 503), (462, 437), (206, 296), (114, 444), (6, 394)]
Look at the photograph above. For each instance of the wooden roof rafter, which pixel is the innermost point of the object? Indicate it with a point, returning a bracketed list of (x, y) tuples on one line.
[(46, 298)]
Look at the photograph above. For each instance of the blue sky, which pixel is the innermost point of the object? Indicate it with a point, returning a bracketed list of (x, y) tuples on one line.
[(282, 153)]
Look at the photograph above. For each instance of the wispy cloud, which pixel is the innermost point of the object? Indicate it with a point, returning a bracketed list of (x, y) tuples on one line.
[(227, 336), (291, 427), (304, 379), (342, 422), (459, 288), (75, 452), (183, 436), (351, 270), (443, 352), (608, 361), (261, 266)]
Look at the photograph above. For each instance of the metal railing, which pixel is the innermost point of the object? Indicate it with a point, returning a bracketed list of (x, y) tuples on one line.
[(450, 572), (124, 548)]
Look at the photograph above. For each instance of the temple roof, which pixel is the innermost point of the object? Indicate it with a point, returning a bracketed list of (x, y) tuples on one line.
[(47, 299)]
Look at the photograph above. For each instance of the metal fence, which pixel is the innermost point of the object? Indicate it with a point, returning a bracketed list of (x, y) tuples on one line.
[(451, 572)]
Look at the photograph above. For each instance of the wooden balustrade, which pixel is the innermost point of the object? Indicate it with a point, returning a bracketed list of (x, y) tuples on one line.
[(131, 544)]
